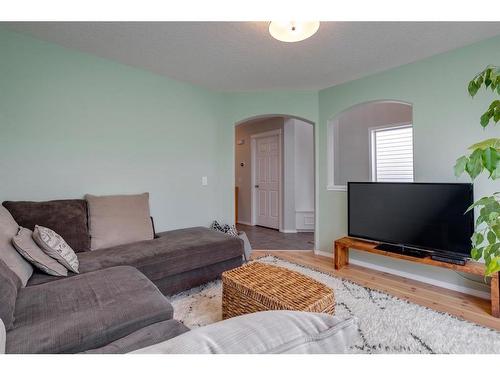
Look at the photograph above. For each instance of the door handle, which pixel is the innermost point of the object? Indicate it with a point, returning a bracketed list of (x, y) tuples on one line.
[(256, 186)]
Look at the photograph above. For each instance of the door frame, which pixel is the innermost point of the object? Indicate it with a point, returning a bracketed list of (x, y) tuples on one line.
[(253, 199)]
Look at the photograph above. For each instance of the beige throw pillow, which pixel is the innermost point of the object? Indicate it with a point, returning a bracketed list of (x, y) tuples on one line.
[(26, 246), (9, 255), (55, 247), (118, 219)]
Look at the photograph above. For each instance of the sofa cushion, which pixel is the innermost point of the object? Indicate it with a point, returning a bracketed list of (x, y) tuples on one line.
[(119, 219), (267, 332), (179, 282), (172, 253), (55, 247), (26, 246), (8, 254), (9, 287), (85, 311), (67, 217), (142, 338)]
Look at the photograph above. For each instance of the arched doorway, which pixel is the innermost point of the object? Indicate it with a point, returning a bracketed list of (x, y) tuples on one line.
[(371, 141), (275, 181)]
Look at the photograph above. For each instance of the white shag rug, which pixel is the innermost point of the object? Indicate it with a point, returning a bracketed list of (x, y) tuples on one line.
[(387, 324)]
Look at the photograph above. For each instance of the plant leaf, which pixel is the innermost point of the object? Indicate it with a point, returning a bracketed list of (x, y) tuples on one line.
[(477, 239), (473, 87), (480, 220), (496, 172), (481, 202), (485, 118), (487, 79), (492, 142), (493, 266), (487, 209), (492, 238), (460, 165), (490, 159), (496, 228), (495, 249), (474, 165), (476, 253)]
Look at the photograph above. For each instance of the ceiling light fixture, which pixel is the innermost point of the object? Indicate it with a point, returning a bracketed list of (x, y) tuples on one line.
[(293, 31)]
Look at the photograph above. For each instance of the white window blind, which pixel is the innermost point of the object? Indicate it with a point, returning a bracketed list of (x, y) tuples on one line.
[(392, 153)]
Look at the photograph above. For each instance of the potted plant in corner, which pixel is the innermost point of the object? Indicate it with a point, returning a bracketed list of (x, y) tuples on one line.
[(485, 156)]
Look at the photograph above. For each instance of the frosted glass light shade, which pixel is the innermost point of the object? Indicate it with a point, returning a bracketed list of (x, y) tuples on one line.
[(293, 31)]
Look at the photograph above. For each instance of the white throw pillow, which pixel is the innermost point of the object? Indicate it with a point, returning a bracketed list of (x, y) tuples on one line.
[(267, 332), (26, 246), (118, 219), (55, 247)]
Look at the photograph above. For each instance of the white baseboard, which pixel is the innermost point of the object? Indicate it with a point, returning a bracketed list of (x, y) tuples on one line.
[(412, 276), (288, 231), (323, 253), (244, 223)]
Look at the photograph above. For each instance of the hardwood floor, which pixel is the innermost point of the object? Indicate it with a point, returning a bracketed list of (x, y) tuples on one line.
[(265, 238), (471, 308)]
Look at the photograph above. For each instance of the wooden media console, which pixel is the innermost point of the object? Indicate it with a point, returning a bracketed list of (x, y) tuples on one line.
[(341, 259)]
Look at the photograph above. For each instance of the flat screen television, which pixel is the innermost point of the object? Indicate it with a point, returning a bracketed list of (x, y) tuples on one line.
[(428, 216)]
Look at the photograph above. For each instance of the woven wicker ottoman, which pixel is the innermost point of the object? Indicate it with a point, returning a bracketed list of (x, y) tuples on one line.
[(258, 287)]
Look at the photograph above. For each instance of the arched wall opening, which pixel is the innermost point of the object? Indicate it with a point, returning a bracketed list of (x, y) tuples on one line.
[(275, 181), (370, 141)]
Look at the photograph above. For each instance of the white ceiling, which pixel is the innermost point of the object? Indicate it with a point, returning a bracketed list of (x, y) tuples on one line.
[(242, 56)]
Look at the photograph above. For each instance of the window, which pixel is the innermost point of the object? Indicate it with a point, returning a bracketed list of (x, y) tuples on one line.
[(392, 154)]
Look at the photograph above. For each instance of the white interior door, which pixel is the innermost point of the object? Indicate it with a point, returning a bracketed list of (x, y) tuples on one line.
[(267, 181)]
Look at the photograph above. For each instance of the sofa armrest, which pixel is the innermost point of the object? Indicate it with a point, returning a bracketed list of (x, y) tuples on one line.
[(265, 332)]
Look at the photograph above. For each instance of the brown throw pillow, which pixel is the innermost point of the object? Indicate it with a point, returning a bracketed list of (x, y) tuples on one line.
[(26, 246), (55, 247), (118, 219)]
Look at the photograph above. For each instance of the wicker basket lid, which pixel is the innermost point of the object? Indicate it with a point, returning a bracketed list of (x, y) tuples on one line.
[(279, 287)]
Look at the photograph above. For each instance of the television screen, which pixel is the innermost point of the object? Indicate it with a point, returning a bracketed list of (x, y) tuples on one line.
[(423, 215)]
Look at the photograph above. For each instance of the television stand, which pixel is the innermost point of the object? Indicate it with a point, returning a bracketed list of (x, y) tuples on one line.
[(400, 249), (341, 259)]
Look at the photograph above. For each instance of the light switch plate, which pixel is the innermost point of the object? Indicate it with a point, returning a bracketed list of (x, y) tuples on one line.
[(204, 181)]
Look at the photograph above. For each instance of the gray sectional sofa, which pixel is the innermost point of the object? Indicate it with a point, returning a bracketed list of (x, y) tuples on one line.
[(117, 302)]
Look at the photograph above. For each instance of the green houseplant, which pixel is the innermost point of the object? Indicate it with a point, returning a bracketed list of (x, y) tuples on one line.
[(485, 157)]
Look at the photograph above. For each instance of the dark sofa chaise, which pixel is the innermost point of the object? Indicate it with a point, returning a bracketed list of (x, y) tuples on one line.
[(114, 305), (174, 261)]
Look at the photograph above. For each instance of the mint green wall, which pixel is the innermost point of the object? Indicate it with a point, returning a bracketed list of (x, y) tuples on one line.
[(72, 123), (445, 123), (243, 106)]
